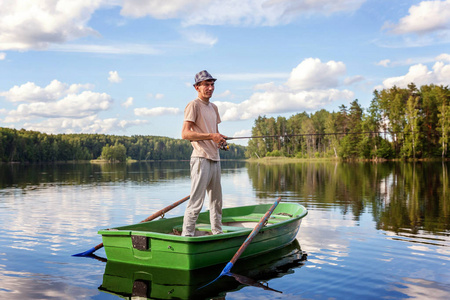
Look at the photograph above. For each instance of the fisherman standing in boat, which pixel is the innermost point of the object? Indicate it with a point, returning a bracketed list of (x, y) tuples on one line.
[(200, 126)]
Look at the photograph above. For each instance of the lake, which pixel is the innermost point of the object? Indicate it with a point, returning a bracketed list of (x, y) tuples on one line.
[(373, 231)]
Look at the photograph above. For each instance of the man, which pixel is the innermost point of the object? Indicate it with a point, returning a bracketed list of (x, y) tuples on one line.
[(200, 126)]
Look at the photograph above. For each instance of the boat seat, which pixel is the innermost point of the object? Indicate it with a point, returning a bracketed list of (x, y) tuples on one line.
[(207, 227)]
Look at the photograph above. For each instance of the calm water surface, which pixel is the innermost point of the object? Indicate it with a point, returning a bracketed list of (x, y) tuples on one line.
[(374, 231)]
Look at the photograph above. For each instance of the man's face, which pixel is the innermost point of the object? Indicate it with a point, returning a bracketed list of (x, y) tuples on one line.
[(205, 89)]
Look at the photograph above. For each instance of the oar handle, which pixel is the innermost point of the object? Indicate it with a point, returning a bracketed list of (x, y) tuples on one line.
[(165, 209), (152, 217), (255, 231)]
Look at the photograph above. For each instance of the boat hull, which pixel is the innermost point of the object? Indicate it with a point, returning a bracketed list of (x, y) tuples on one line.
[(130, 280), (154, 244)]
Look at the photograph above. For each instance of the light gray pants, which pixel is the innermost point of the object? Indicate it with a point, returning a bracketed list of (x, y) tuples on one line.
[(205, 177)]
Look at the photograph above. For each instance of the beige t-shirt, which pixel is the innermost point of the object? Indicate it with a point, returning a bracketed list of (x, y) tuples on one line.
[(205, 116)]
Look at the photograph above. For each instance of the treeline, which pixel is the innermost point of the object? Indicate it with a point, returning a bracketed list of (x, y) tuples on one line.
[(34, 147), (400, 123)]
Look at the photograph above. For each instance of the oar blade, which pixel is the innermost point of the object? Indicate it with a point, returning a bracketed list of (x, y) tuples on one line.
[(86, 253), (226, 270), (248, 240)]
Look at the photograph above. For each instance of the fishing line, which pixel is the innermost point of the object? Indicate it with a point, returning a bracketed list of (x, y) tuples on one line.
[(313, 134)]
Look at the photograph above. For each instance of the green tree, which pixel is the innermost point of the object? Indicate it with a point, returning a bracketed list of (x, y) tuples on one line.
[(444, 119), (411, 130)]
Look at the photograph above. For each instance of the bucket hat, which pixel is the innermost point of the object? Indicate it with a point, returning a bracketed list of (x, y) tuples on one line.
[(202, 76)]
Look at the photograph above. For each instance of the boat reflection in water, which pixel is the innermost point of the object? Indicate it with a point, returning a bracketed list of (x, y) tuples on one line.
[(129, 281)]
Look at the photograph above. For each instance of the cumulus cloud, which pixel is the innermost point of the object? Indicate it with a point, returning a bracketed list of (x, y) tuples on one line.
[(157, 111), (310, 86), (91, 124), (2, 55), (114, 77), (421, 75), (72, 106), (426, 17), (34, 24), (128, 102), (272, 102), (312, 73), (30, 92), (443, 57), (61, 108)]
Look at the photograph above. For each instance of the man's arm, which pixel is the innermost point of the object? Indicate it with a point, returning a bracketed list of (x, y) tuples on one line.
[(188, 134)]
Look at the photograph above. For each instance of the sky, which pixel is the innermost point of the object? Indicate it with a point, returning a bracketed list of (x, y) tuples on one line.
[(126, 67)]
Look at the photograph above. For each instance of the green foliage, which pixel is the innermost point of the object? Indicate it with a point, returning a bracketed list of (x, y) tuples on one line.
[(34, 147), (275, 153), (118, 152)]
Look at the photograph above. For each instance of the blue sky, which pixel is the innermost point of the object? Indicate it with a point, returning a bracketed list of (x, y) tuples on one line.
[(126, 67)]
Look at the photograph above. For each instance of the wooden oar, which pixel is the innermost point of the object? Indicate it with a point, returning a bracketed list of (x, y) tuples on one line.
[(152, 217), (248, 240)]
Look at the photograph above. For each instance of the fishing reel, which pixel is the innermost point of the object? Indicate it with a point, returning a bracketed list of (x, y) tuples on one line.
[(224, 146)]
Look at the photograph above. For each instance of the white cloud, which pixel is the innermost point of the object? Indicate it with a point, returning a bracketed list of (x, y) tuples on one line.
[(426, 17), (421, 75), (265, 86), (443, 57), (114, 77), (252, 76), (272, 102), (384, 62), (200, 37), (311, 85), (354, 79), (225, 94), (411, 61), (235, 12), (34, 24), (107, 49), (157, 96), (58, 107), (2, 55), (30, 92), (90, 124), (157, 111), (243, 133), (75, 106), (312, 74), (128, 102), (44, 24)]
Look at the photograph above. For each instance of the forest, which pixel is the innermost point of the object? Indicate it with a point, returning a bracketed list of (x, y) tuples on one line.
[(401, 123), (35, 147)]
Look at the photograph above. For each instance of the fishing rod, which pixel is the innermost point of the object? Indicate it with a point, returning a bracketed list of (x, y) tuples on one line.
[(310, 134), (224, 146)]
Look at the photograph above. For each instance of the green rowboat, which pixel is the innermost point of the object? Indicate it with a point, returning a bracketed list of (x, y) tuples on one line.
[(129, 281), (158, 243)]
